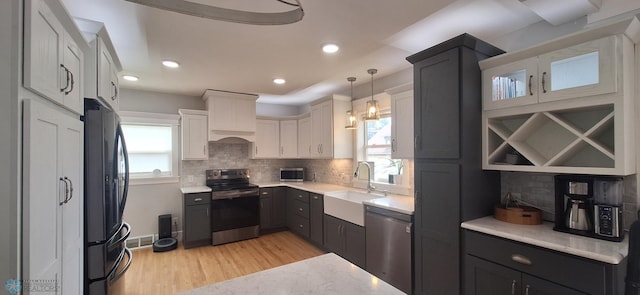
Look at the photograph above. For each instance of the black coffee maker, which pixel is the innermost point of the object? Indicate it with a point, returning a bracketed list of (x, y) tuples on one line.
[(576, 196)]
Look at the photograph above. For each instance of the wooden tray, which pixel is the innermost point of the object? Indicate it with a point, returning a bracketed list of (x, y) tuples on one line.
[(520, 215)]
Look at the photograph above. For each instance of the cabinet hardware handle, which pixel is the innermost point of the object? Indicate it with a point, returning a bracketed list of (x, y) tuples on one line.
[(197, 199), (526, 290), (521, 259), (256, 150), (300, 209), (301, 226), (315, 197), (70, 189), (265, 193), (309, 149), (530, 90), (72, 83), (544, 89), (416, 139), (281, 151), (204, 149), (66, 191), (68, 78), (207, 211), (393, 145), (113, 97), (513, 287)]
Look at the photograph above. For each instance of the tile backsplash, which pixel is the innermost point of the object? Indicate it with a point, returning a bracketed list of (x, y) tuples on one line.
[(537, 189), (236, 155)]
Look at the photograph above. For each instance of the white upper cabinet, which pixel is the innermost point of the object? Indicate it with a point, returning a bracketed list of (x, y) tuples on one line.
[(304, 137), (193, 127), (267, 144), (575, 115), (402, 137), (102, 65), (231, 114), (329, 138), (289, 138), (53, 54), (585, 69)]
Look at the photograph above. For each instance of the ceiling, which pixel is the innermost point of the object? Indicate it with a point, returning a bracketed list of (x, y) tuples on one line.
[(246, 58)]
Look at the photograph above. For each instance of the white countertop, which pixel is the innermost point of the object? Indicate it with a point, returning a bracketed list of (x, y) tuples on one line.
[(325, 274), (398, 203), (195, 189), (544, 236)]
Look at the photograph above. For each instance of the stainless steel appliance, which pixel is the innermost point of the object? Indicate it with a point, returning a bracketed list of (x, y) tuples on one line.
[(388, 243), (235, 206), (292, 174), (589, 205), (106, 186), (607, 195)]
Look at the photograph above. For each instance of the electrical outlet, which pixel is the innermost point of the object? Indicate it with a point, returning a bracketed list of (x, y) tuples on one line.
[(190, 178), (174, 223)]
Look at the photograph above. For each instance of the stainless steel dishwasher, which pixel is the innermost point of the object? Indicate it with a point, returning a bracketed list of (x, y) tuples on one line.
[(388, 240)]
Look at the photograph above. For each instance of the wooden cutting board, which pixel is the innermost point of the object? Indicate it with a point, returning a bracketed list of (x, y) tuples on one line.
[(519, 215)]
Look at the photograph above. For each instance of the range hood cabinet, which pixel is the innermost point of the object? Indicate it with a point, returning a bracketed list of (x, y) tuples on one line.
[(232, 115)]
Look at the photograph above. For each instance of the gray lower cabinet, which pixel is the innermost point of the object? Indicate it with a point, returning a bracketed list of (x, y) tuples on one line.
[(196, 230), (495, 266), (316, 217), (345, 239), (272, 208), (298, 212)]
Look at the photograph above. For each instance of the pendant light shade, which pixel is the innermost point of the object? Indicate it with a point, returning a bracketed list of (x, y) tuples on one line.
[(352, 122), (373, 110)]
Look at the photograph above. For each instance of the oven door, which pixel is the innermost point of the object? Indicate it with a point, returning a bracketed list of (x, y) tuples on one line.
[(233, 213)]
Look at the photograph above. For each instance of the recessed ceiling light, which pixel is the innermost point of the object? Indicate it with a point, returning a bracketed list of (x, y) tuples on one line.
[(330, 48), (130, 78), (170, 63), (279, 81)]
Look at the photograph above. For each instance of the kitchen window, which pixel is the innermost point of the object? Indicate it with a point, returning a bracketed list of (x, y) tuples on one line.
[(377, 148), (152, 143)]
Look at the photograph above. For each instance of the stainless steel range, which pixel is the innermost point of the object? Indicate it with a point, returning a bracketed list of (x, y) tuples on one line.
[(235, 206)]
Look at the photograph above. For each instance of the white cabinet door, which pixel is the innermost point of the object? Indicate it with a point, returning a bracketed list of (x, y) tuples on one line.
[(73, 96), (582, 70), (289, 139), (512, 84), (322, 130), (44, 36), (53, 63), (53, 198), (304, 137), (107, 76), (72, 144), (194, 136), (245, 115), (267, 144), (402, 125)]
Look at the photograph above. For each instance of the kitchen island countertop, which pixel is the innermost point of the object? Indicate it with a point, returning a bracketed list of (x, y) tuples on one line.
[(544, 236), (325, 274)]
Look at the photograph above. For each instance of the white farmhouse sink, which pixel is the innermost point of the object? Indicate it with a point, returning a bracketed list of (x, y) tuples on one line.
[(347, 205)]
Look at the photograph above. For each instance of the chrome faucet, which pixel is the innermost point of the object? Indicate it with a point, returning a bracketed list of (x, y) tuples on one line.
[(370, 187)]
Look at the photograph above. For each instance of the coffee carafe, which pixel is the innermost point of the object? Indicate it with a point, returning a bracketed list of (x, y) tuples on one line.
[(577, 215)]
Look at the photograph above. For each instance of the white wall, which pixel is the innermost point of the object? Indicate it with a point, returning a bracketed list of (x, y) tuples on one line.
[(146, 202), (157, 102), (9, 132)]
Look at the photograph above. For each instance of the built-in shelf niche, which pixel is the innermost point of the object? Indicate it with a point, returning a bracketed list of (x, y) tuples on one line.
[(582, 137)]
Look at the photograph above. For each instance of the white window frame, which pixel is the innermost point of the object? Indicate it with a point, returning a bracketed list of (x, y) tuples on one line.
[(142, 118), (359, 106)]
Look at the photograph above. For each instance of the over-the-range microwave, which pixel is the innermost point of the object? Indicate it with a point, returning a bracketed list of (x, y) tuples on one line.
[(292, 174)]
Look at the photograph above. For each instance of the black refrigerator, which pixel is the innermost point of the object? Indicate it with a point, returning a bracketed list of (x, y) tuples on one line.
[(106, 183)]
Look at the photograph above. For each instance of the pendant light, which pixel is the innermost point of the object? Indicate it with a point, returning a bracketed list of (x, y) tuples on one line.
[(352, 122), (373, 110)]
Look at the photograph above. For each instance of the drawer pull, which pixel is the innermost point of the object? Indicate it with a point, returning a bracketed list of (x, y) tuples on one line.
[(513, 287), (301, 226), (300, 209), (526, 291), (197, 199), (520, 259)]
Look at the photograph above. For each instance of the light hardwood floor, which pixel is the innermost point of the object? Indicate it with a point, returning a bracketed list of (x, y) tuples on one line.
[(181, 270)]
